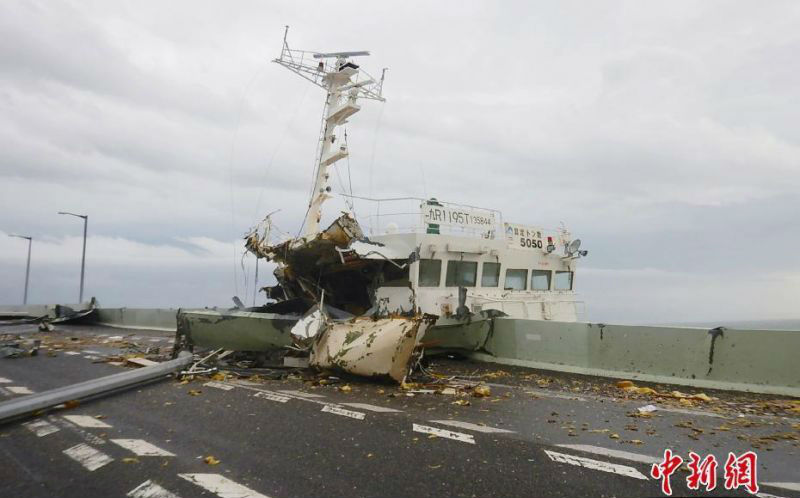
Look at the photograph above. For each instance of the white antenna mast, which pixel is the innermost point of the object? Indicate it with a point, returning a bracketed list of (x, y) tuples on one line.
[(344, 83)]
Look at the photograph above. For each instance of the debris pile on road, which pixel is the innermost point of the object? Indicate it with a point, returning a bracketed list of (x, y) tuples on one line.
[(12, 346)]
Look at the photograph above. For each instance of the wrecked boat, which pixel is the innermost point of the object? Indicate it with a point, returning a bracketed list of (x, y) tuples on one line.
[(369, 304)]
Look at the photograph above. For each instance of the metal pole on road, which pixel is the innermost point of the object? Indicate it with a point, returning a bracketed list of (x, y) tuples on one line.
[(83, 256), (27, 267)]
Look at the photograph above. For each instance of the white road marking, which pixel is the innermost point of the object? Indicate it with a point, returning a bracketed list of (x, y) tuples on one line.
[(19, 390), (87, 436), (470, 426), (767, 495), (115, 338), (149, 489), (689, 412), (91, 357), (90, 458), (221, 486), (71, 353), (338, 410), (155, 340), (41, 427), (3, 380), (458, 436), (302, 394), (791, 486), (624, 455), (272, 397), (371, 408), (141, 447), (86, 421), (588, 463), (91, 351), (219, 385)]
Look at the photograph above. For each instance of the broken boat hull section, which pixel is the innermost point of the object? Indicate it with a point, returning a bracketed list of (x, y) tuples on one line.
[(369, 347)]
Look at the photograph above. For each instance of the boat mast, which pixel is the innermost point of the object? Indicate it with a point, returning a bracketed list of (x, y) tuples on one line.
[(344, 83)]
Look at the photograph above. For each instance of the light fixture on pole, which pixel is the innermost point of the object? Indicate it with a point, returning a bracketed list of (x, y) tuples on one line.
[(27, 267), (83, 256)]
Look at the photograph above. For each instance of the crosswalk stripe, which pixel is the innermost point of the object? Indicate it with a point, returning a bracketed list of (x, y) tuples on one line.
[(19, 390), (90, 458), (3, 380), (588, 463), (221, 486), (41, 427), (87, 421), (141, 447), (149, 489)]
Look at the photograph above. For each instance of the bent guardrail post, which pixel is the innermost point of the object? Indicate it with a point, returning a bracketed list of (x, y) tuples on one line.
[(16, 408)]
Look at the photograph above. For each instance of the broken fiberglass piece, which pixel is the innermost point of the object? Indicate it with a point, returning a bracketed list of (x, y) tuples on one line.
[(372, 348)]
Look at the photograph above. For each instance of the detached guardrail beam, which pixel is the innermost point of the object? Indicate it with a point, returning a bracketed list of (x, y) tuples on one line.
[(20, 407)]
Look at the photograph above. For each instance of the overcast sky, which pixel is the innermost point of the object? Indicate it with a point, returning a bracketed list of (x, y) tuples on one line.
[(664, 134)]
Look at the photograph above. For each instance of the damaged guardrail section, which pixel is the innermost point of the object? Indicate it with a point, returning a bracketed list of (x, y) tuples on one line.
[(763, 361), (20, 407)]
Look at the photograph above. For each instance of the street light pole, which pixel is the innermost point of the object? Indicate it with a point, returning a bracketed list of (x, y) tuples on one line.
[(83, 256), (27, 267)]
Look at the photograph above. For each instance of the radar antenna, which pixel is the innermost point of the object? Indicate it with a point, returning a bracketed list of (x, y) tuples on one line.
[(345, 82)]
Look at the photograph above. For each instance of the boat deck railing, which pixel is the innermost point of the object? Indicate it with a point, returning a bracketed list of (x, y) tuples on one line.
[(379, 216)]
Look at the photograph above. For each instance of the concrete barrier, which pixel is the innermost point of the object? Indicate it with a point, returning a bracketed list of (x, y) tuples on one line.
[(139, 318), (763, 361)]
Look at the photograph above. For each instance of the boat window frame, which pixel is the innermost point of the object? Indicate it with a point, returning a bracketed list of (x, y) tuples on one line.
[(541, 272), (571, 280), (496, 275), (438, 275), (524, 279), (456, 263)]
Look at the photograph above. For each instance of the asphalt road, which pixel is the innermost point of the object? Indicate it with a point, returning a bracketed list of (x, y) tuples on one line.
[(289, 439)]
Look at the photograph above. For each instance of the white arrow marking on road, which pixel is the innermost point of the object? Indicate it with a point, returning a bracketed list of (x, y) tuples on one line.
[(86, 421), (41, 427), (588, 463), (272, 397), (338, 410), (624, 455), (372, 408), (470, 426), (90, 458), (149, 489), (141, 447), (221, 486), (458, 436)]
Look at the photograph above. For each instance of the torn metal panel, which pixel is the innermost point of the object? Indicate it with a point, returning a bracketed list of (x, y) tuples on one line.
[(312, 323), (372, 348), (235, 330)]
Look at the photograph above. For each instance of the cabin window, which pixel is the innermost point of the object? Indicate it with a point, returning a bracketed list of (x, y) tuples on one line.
[(490, 275), (430, 272), (516, 279), (563, 280), (461, 273), (393, 276), (540, 279)]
